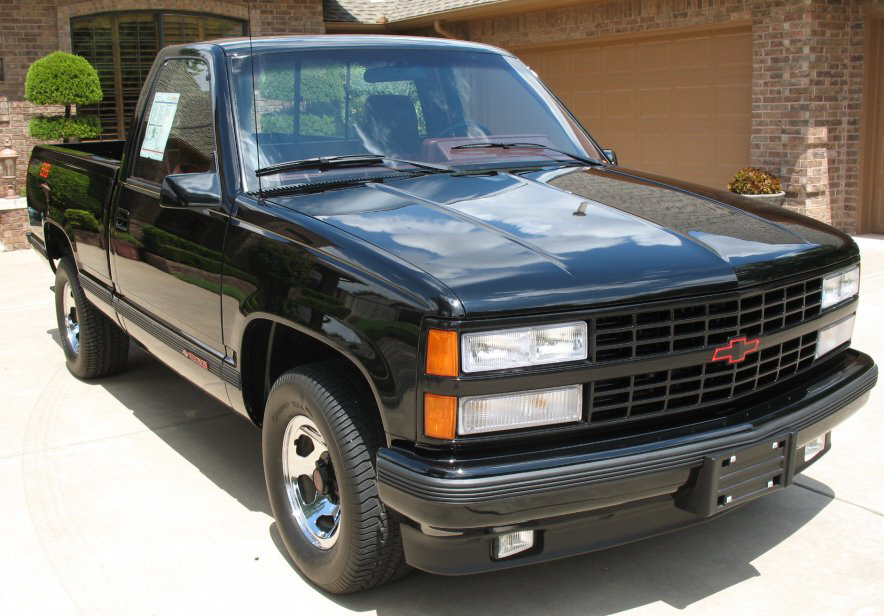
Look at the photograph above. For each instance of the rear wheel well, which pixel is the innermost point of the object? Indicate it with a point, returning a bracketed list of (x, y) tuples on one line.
[(270, 348), (57, 243)]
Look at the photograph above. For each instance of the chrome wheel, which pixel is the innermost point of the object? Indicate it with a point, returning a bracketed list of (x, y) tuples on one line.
[(310, 482), (71, 323)]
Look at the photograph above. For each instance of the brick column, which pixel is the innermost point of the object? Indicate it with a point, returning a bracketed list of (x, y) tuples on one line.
[(14, 119), (13, 224), (801, 63)]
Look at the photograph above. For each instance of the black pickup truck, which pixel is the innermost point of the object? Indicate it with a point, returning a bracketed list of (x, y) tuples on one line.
[(471, 339)]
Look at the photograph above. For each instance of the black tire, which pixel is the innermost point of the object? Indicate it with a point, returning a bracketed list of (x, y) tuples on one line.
[(100, 348), (367, 551)]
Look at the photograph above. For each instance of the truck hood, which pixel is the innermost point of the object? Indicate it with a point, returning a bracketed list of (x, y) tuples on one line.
[(576, 237)]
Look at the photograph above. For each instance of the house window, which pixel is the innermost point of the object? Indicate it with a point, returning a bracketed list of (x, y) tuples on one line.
[(122, 47)]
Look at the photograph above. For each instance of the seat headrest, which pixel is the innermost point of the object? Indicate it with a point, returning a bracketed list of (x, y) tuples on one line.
[(396, 107), (389, 125)]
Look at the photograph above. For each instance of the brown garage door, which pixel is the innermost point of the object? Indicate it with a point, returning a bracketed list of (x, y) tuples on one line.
[(873, 129), (676, 104)]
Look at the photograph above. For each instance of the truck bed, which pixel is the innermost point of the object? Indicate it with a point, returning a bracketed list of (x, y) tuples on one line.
[(111, 151), (70, 187)]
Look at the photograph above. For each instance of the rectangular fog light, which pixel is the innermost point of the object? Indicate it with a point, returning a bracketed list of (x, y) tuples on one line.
[(513, 543), (526, 409), (835, 335)]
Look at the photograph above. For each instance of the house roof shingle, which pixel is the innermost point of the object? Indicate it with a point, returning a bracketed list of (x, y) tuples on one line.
[(370, 11)]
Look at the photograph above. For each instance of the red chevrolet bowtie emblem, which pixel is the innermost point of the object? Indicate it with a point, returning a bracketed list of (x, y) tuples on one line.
[(736, 350)]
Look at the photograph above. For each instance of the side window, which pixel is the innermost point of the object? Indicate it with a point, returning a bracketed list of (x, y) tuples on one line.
[(176, 133)]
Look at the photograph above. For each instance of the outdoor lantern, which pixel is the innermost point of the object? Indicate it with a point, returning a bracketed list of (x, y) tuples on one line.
[(8, 157)]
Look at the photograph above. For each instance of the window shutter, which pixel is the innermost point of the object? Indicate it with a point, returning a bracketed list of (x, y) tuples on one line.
[(93, 39), (122, 48), (138, 48)]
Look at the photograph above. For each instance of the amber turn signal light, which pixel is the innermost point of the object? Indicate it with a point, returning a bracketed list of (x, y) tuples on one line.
[(442, 353), (440, 416)]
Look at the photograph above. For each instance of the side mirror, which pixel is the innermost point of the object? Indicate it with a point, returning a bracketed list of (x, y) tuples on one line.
[(191, 190), (611, 155)]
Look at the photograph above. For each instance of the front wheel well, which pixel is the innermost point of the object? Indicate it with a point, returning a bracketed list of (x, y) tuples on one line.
[(270, 348)]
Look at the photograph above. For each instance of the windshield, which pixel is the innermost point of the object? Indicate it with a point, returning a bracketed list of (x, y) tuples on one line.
[(404, 103)]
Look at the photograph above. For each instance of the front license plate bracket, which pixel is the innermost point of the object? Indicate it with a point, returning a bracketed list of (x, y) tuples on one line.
[(732, 478)]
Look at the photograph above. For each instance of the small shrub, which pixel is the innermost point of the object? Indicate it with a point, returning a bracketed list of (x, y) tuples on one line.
[(63, 79), (60, 127), (751, 181)]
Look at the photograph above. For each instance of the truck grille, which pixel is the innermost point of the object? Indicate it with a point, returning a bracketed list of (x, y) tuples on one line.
[(702, 385), (660, 331), (664, 330)]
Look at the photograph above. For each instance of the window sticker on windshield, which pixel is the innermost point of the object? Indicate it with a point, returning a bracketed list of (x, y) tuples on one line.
[(159, 124)]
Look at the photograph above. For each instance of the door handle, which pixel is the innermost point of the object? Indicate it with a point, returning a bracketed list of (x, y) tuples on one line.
[(121, 221)]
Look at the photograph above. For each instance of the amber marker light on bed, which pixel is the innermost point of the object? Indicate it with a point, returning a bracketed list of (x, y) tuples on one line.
[(442, 353), (440, 416)]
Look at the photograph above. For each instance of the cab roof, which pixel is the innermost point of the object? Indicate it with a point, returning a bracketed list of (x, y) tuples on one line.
[(268, 44)]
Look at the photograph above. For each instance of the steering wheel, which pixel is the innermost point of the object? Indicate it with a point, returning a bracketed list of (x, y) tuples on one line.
[(453, 129)]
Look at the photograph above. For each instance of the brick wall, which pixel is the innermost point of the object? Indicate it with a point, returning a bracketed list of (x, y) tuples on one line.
[(14, 117), (807, 79), (603, 19), (268, 17), (292, 17), (27, 32), (25, 35), (799, 52), (13, 226)]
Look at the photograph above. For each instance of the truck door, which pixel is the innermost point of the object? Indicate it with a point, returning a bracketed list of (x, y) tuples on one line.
[(167, 261)]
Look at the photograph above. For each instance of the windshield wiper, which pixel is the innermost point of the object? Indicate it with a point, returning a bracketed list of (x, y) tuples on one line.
[(506, 145), (353, 160)]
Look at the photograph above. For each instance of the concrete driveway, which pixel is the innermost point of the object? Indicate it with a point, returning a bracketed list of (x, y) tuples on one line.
[(138, 494)]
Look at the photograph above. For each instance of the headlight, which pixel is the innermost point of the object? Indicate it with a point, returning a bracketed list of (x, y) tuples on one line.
[(528, 346), (839, 287), (835, 335), (520, 410)]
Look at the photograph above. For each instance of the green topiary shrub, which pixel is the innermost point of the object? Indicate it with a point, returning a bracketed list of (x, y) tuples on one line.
[(62, 79), (55, 127), (751, 181)]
